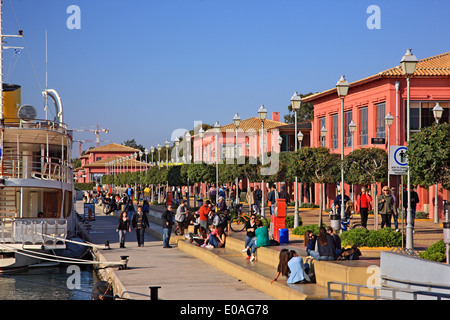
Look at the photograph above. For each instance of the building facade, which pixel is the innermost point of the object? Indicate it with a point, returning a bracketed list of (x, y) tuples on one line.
[(369, 101)]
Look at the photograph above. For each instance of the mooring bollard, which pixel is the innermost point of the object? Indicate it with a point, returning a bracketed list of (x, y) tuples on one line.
[(124, 260), (154, 292)]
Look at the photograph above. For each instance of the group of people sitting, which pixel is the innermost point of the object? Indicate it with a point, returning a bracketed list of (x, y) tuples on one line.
[(327, 246), (210, 225)]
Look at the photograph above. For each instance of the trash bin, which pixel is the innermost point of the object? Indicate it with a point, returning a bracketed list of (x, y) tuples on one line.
[(283, 235), (446, 232), (335, 221)]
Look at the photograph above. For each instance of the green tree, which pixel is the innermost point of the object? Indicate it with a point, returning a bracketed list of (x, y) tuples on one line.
[(429, 156)]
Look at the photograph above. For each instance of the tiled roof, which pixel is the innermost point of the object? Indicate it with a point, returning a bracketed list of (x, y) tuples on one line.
[(433, 67), (253, 123), (436, 66), (113, 147)]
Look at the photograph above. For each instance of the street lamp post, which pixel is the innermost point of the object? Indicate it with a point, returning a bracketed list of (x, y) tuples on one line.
[(262, 113), (437, 113), (352, 128), (296, 102), (300, 140), (159, 147), (342, 91), (237, 122), (323, 134), (167, 144), (408, 64), (216, 131), (389, 119)]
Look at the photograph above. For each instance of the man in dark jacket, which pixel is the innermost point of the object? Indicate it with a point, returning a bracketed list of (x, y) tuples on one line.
[(414, 202), (284, 195), (140, 222), (167, 222)]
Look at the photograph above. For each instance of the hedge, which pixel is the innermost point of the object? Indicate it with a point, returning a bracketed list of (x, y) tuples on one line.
[(384, 237), (436, 252)]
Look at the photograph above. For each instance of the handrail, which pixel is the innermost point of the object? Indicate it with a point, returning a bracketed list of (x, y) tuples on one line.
[(35, 124), (44, 168), (377, 291)]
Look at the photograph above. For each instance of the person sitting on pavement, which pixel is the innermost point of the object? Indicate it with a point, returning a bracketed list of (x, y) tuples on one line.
[(250, 237), (310, 241), (282, 268), (296, 267), (337, 240), (326, 247)]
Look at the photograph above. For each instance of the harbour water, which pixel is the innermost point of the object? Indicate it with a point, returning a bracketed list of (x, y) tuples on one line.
[(48, 283)]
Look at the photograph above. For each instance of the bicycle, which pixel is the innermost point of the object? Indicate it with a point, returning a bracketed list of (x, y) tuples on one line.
[(345, 224), (239, 218)]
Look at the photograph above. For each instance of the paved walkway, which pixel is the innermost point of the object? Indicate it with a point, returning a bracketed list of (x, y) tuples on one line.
[(181, 276)]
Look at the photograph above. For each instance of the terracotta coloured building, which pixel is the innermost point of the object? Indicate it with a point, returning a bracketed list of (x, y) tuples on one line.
[(95, 163), (368, 102)]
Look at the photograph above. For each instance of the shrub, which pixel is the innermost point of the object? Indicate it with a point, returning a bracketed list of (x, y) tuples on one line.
[(309, 205), (84, 186), (289, 221), (436, 252), (302, 229), (384, 237)]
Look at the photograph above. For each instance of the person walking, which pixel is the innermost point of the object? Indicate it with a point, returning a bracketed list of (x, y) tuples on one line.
[(257, 195), (250, 198), (284, 195), (139, 223), (123, 227), (386, 206), (167, 223), (129, 208), (364, 205), (272, 198), (395, 214), (414, 202), (180, 216)]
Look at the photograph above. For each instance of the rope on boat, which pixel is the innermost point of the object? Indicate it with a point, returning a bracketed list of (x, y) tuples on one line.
[(60, 259)]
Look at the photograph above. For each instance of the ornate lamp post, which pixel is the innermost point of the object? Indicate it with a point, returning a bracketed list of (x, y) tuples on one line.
[(296, 102), (408, 64), (342, 91), (262, 113)]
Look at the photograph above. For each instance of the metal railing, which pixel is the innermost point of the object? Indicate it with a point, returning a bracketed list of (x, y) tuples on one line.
[(33, 231), (387, 292), (41, 167)]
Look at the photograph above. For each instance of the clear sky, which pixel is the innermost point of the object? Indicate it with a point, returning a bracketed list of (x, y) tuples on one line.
[(144, 68)]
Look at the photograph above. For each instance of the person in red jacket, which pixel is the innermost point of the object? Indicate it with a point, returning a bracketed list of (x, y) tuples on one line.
[(364, 205), (204, 212)]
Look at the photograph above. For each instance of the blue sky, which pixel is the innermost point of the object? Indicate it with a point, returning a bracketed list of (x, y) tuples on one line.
[(144, 68)]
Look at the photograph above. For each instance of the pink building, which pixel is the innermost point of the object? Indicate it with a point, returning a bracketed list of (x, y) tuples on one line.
[(368, 102), (96, 162)]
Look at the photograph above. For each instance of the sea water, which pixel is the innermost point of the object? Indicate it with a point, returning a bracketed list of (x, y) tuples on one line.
[(48, 283)]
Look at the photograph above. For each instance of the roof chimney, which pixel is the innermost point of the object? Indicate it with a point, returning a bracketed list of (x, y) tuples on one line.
[(276, 116)]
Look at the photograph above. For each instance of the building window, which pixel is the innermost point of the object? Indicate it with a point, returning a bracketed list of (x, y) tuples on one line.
[(348, 135), (421, 114), (363, 127), (335, 131), (380, 122), (321, 125)]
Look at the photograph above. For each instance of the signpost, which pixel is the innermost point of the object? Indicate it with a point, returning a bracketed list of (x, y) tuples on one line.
[(398, 161)]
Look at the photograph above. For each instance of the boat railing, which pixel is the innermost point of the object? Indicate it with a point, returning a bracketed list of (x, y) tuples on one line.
[(36, 124), (36, 167), (27, 231)]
